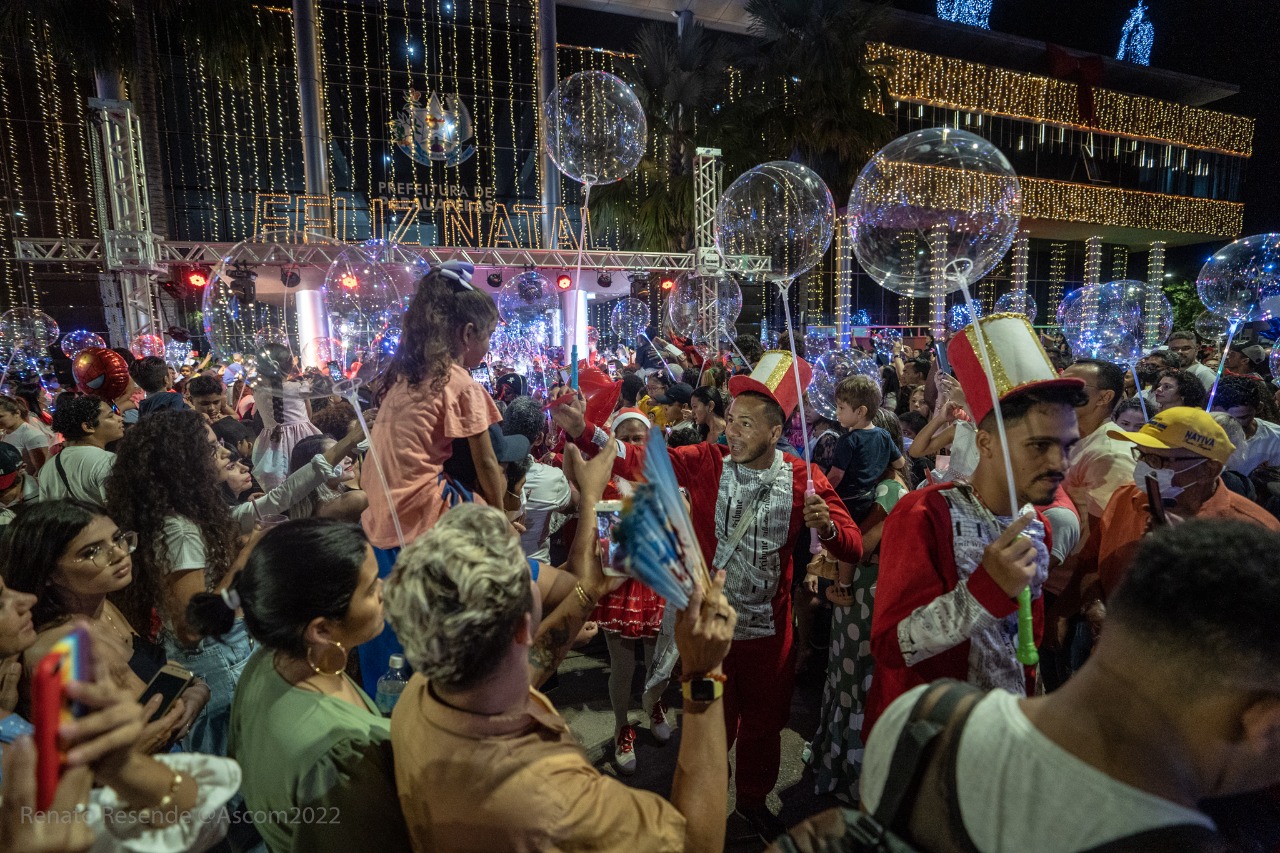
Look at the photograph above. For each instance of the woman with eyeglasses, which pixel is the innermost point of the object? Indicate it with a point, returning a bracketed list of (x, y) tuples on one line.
[(167, 484), (72, 556)]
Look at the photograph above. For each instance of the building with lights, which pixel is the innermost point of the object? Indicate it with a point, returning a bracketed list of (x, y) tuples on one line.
[(431, 115)]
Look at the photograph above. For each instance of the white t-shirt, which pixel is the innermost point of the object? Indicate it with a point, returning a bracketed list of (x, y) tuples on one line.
[(1263, 447), (1021, 791), (1204, 373), (86, 469), (184, 544), (27, 438), (546, 490)]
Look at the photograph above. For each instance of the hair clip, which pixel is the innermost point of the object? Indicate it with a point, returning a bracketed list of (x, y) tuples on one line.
[(459, 272), (231, 598)]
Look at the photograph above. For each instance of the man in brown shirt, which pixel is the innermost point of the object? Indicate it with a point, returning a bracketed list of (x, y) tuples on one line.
[(483, 761)]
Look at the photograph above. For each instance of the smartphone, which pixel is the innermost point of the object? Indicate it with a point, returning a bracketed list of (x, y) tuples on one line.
[(70, 659), (608, 514), (1155, 503), (169, 682)]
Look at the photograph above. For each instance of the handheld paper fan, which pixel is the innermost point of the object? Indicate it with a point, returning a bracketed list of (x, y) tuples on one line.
[(655, 535)]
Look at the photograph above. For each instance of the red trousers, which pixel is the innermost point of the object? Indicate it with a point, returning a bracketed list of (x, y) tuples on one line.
[(757, 705)]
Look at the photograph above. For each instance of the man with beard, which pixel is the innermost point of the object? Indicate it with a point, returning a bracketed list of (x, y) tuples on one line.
[(749, 509), (956, 555)]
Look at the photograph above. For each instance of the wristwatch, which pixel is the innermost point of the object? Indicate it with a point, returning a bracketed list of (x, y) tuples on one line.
[(704, 688)]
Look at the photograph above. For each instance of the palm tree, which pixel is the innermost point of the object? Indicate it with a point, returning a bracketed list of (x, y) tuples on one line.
[(115, 40), (820, 102), (681, 79)]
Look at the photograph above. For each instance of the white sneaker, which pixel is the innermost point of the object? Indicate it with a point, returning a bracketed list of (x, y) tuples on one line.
[(658, 725), (624, 750)]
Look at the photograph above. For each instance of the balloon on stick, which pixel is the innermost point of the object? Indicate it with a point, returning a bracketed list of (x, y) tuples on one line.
[(628, 319), (1017, 302), (73, 343), (1211, 327), (782, 211), (931, 213), (1241, 283)]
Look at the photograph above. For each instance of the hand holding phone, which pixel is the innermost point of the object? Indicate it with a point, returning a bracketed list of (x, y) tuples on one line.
[(70, 660), (1155, 503)]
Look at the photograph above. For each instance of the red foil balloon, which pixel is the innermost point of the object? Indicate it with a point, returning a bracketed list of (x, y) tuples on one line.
[(101, 373)]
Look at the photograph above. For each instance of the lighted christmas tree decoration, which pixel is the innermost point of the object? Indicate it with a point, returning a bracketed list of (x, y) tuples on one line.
[(1137, 37), (975, 13)]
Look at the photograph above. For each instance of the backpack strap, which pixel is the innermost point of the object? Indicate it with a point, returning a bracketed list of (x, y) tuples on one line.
[(933, 712)]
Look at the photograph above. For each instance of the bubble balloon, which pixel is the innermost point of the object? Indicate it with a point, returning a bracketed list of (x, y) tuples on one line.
[(1273, 360), (269, 335), (1114, 321), (819, 340), (357, 285), (1211, 327), (1017, 302), (101, 373), (527, 296), (780, 210), (147, 345), (884, 341), (1241, 281), (942, 186), (707, 301), (628, 319), (960, 316), (1069, 306), (860, 318), (81, 339), (829, 369), (595, 128), (176, 353), (27, 329)]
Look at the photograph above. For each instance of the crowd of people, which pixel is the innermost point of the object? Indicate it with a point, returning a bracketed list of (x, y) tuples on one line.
[(371, 593)]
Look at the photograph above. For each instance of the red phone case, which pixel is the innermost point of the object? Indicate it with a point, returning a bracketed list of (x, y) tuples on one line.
[(69, 660)]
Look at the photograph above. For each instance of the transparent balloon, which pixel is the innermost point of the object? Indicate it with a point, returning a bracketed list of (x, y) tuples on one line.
[(527, 297), (271, 335), (628, 319), (860, 318), (595, 128), (936, 189), (830, 368), (1017, 302), (885, 340), (1116, 320), (147, 345), (1273, 361), (703, 301), (959, 317), (27, 329), (247, 290), (1069, 306), (81, 339), (780, 210), (1241, 281), (176, 353), (357, 284), (819, 340), (1211, 327)]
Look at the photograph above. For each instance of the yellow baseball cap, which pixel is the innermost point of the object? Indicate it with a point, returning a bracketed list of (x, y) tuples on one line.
[(1182, 428)]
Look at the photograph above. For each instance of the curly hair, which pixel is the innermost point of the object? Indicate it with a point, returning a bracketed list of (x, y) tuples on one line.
[(72, 411), (458, 594), (1190, 388), (431, 339), (164, 469), (334, 420)]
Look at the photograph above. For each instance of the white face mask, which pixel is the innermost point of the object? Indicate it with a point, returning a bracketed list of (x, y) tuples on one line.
[(1164, 478)]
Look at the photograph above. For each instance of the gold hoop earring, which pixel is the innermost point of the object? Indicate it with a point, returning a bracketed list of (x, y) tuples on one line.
[(341, 668)]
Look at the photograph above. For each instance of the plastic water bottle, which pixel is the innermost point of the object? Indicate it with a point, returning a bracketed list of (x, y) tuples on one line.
[(391, 685)]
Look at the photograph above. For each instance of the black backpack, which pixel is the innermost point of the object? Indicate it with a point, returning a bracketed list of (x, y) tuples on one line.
[(919, 809)]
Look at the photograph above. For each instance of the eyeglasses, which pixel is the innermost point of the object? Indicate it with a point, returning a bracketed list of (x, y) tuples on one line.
[(124, 541), (1158, 462)]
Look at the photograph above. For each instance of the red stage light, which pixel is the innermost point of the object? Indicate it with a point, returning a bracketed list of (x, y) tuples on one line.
[(197, 278), (668, 283), (349, 281), (564, 282)]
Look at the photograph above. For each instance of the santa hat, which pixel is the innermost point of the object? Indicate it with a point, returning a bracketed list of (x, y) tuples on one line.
[(628, 414), (1018, 362), (773, 377)]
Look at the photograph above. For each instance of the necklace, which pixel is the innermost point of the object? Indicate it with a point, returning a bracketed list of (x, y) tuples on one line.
[(126, 638)]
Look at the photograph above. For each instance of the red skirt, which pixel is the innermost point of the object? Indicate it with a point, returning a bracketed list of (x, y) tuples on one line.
[(632, 610)]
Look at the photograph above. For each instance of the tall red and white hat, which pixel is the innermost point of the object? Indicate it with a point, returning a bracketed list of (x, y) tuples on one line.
[(1018, 362), (773, 377)]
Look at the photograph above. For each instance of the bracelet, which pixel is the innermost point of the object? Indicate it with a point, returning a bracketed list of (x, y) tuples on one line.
[(173, 791), (834, 531), (586, 600)]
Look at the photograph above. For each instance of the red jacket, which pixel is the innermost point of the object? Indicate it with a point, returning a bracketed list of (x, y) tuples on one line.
[(917, 565), (698, 468)]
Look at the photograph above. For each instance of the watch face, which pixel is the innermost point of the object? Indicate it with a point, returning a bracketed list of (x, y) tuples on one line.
[(702, 690)]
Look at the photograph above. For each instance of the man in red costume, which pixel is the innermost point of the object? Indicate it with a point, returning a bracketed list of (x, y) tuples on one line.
[(749, 509), (954, 559)]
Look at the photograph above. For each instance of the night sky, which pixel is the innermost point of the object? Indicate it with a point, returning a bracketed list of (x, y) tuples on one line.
[(1232, 41)]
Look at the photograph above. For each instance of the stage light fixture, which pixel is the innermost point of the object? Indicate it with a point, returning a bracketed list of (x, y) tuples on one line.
[(605, 279), (494, 280), (668, 282), (349, 281), (289, 275), (563, 281)]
